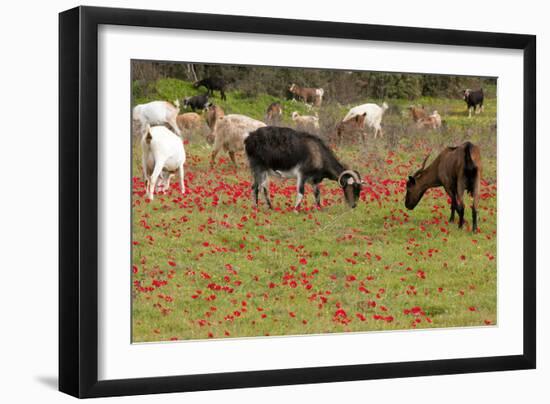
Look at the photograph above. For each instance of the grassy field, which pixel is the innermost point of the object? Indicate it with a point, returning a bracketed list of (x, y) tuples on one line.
[(208, 265)]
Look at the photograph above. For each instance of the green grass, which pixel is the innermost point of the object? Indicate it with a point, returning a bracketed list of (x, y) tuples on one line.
[(208, 265)]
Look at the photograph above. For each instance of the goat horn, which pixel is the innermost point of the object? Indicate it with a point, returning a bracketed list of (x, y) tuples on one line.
[(350, 172), (425, 160)]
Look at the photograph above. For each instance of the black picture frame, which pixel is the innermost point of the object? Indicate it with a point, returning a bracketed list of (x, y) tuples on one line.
[(78, 196)]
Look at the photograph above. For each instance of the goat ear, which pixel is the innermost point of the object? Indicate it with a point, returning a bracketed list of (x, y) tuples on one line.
[(342, 181), (412, 180)]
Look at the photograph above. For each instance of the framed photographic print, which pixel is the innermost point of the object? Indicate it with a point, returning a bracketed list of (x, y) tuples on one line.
[(250, 201)]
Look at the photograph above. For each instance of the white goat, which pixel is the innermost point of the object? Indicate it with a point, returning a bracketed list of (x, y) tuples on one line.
[(230, 132), (373, 118), (306, 123), (437, 119), (162, 155), (156, 113)]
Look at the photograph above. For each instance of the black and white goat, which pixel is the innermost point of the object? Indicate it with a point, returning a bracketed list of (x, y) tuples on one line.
[(473, 99), (196, 102), (284, 152)]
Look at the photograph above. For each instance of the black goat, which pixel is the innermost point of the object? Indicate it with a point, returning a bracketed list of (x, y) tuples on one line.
[(211, 84), (473, 99), (287, 153), (199, 102)]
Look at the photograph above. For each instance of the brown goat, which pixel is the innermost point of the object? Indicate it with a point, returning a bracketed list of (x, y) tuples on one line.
[(213, 113), (457, 169), (355, 124), (190, 122), (417, 113), (274, 114), (308, 94)]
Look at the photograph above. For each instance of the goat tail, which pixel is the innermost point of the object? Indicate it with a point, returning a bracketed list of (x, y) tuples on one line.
[(470, 168), (148, 136)]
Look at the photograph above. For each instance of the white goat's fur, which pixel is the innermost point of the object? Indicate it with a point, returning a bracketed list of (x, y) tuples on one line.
[(432, 121), (229, 133), (374, 116), (156, 113), (306, 123), (437, 119), (162, 155)]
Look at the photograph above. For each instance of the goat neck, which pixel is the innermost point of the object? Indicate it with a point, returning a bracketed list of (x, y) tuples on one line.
[(430, 176)]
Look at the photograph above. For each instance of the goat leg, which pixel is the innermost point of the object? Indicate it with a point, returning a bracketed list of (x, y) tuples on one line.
[(453, 208), (300, 188), (182, 182), (317, 193), (460, 210), (266, 197), (154, 178), (213, 157), (264, 185), (232, 157), (255, 187)]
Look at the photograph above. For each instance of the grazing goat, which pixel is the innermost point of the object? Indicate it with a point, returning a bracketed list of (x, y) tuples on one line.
[(190, 121), (355, 124), (274, 114), (417, 113), (155, 113), (374, 116), (162, 153), (195, 102), (230, 132), (213, 113), (308, 94), (429, 122), (287, 153), (211, 84), (473, 99), (457, 169), (306, 123)]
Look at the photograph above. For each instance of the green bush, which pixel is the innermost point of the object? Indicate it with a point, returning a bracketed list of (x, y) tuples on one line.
[(340, 86)]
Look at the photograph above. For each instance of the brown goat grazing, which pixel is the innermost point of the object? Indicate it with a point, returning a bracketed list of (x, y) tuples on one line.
[(355, 124), (274, 114), (189, 122), (417, 113), (308, 94), (457, 169), (213, 113)]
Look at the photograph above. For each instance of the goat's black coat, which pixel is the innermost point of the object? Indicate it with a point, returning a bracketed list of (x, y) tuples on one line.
[(470, 168), (282, 149), (474, 98), (278, 149), (213, 84), (197, 102)]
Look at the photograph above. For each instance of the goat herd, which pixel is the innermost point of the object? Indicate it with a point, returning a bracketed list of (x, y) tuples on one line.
[(275, 150)]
